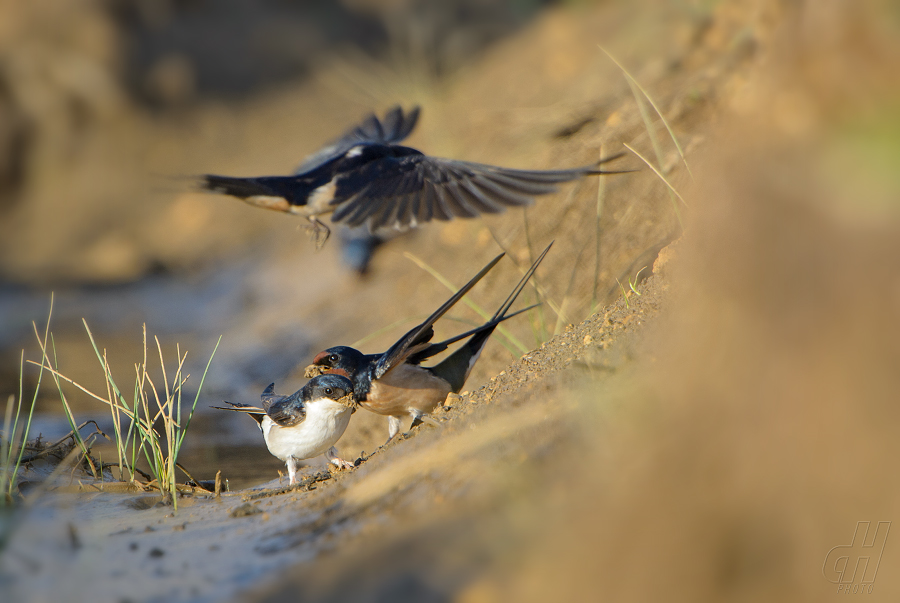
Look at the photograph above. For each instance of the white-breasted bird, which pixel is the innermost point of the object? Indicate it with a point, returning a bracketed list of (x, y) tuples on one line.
[(305, 424)]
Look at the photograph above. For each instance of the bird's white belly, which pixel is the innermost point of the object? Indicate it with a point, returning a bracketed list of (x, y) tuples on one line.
[(318, 202), (323, 426)]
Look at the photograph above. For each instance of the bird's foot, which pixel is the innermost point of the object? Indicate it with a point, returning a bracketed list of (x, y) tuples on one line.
[(318, 232), (337, 461), (342, 464)]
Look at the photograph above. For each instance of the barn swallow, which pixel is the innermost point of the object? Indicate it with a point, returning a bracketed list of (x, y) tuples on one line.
[(394, 383), (305, 424), (367, 178)]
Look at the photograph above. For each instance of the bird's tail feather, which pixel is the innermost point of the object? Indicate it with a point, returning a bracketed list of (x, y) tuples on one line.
[(421, 334), (255, 412), (436, 348), (455, 369), (287, 187)]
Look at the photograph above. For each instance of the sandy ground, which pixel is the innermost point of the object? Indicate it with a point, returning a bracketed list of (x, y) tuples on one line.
[(710, 436), (125, 547)]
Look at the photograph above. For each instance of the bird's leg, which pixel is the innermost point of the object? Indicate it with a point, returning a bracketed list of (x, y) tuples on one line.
[(393, 427), (420, 417), (333, 458), (319, 232), (292, 470)]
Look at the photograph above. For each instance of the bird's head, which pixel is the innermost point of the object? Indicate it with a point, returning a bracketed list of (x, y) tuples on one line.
[(339, 360), (329, 387)]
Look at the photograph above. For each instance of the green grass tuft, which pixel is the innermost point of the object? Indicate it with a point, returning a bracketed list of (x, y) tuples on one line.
[(150, 424)]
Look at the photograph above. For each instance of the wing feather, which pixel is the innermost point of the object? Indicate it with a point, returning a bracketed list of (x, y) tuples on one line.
[(395, 127), (288, 411), (413, 188), (442, 209)]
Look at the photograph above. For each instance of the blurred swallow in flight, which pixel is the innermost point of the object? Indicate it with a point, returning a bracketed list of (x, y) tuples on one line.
[(367, 178), (394, 383), (305, 424)]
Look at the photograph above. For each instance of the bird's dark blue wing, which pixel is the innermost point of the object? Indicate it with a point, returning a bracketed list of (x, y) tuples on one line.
[(269, 397), (288, 411), (393, 129), (404, 190)]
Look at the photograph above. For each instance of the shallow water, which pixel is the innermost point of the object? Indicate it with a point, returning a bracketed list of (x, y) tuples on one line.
[(192, 311)]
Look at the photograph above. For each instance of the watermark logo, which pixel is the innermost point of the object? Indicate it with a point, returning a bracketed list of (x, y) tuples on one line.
[(853, 566)]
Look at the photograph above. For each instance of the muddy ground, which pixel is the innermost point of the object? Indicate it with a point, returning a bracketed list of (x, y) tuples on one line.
[(710, 434)]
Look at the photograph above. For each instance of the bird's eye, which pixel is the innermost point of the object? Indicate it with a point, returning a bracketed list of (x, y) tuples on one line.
[(333, 358), (328, 391)]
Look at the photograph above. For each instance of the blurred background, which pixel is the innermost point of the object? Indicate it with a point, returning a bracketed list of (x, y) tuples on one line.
[(109, 110), (729, 446)]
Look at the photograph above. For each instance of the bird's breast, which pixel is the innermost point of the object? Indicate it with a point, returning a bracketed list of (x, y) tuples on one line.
[(323, 426), (319, 200), (404, 388)]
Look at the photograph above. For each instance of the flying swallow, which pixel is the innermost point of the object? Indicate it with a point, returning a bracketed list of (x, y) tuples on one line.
[(367, 178), (305, 424), (394, 383)]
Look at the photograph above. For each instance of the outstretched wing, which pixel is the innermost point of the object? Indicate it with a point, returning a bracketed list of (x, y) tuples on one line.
[(417, 338), (394, 128), (402, 190)]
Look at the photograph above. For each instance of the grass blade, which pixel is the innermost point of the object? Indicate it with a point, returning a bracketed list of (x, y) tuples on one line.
[(634, 83), (658, 173)]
